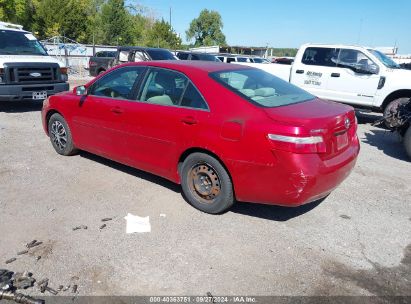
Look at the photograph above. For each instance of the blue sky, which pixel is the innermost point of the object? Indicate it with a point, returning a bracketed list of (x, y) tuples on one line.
[(290, 23)]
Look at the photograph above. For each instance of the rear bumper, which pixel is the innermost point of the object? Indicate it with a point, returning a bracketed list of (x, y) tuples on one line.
[(20, 92), (293, 179)]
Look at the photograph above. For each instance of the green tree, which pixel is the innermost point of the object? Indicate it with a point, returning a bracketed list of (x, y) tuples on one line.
[(67, 18), (116, 23), (207, 29), (17, 11), (162, 35)]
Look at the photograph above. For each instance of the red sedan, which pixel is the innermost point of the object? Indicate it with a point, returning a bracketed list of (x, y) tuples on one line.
[(225, 132)]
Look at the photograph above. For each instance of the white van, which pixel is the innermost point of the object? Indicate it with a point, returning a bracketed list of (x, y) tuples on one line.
[(27, 72)]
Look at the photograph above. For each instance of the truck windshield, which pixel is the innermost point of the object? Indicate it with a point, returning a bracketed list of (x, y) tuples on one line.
[(387, 61), (261, 88), (20, 43)]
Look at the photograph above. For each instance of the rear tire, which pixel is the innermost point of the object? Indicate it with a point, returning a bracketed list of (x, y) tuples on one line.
[(60, 135), (206, 183), (391, 108), (407, 142)]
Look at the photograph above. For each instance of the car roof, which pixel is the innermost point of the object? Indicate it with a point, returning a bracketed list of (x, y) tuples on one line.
[(132, 48), (188, 65)]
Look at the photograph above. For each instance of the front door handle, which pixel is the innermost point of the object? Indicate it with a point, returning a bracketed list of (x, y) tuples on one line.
[(189, 120), (300, 71), (335, 74), (117, 110)]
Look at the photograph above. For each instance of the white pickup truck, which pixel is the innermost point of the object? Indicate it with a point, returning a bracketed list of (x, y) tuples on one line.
[(27, 72), (359, 76)]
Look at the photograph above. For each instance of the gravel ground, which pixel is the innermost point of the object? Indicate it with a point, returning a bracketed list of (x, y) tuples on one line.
[(355, 242)]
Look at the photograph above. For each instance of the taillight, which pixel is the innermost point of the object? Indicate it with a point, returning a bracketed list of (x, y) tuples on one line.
[(298, 144), (91, 63)]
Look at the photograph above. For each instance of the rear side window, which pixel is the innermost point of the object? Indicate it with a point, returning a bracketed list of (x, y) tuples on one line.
[(230, 59), (261, 88), (171, 88), (192, 98), (320, 56), (117, 84)]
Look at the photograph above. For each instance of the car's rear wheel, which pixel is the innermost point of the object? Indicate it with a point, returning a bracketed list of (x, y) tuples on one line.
[(391, 109), (206, 183), (407, 142), (60, 135)]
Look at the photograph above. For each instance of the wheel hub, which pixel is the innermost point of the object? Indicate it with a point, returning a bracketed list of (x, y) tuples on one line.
[(59, 135), (205, 183)]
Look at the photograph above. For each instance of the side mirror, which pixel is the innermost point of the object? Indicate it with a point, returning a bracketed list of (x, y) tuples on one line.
[(367, 69), (80, 90)]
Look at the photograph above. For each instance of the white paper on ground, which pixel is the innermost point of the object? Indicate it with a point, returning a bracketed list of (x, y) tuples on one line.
[(136, 223)]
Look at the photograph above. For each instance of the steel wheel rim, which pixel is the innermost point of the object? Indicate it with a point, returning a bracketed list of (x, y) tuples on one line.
[(59, 135), (204, 183)]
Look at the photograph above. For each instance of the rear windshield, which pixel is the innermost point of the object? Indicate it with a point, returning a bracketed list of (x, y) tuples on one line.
[(160, 54), (261, 87), (20, 43)]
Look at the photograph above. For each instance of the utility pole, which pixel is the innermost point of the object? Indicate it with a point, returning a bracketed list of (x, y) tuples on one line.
[(170, 18)]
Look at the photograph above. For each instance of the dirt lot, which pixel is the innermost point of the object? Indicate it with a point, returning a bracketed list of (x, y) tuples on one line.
[(355, 242)]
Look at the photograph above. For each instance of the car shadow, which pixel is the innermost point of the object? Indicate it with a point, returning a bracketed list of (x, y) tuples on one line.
[(21, 106), (273, 213), (387, 142), (132, 171)]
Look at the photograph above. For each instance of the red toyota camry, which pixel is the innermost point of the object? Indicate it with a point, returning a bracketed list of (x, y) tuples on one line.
[(225, 132)]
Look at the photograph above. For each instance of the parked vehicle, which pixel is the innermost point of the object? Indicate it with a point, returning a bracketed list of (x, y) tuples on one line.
[(283, 60), (27, 72), (127, 54), (225, 132), (100, 62), (196, 56), (256, 59), (359, 76)]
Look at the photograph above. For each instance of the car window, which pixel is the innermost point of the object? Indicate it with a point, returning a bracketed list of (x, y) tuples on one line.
[(192, 98), (320, 56), (230, 59), (221, 58), (354, 59), (242, 59), (117, 84), (195, 57), (261, 88), (163, 87), (182, 56)]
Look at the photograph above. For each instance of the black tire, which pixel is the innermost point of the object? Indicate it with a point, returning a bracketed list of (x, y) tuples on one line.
[(391, 108), (407, 142), (101, 72), (206, 184), (60, 135)]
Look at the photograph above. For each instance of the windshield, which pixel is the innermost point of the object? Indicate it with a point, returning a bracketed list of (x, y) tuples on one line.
[(261, 87), (387, 61), (161, 54), (20, 43)]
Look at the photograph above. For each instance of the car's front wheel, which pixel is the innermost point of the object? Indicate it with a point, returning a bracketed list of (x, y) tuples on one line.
[(206, 183), (60, 135)]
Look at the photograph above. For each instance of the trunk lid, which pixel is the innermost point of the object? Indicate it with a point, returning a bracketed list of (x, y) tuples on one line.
[(335, 122)]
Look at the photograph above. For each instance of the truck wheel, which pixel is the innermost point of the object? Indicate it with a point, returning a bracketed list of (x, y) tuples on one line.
[(206, 184), (407, 142), (60, 135), (391, 109)]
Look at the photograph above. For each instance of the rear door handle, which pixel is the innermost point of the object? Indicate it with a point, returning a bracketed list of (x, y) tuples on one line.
[(189, 120), (335, 74), (300, 71), (117, 110)]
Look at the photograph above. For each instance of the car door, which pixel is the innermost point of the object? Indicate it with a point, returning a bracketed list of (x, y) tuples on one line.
[(355, 78), (98, 118), (314, 71), (166, 116)]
